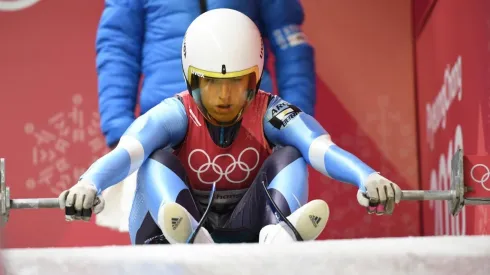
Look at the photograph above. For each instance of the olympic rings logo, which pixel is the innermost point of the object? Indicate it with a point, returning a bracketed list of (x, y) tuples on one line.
[(219, 171), (484, 177)]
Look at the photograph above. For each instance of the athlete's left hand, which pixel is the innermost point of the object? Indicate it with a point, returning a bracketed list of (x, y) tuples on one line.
[(379, 195)]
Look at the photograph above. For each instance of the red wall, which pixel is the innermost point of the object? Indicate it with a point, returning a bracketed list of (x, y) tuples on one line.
[(50, 131), (421, 12), (453, 64), (366, 99)]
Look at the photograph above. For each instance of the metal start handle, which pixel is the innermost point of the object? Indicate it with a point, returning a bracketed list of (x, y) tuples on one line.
[(454, 196), (412, 195), (34, 203), (430, 195), (427, 195)]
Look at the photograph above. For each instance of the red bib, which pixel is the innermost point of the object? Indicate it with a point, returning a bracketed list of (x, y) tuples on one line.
[(234, 167)]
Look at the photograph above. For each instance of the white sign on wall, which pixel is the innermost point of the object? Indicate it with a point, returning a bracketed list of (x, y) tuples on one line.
[(16, 5)]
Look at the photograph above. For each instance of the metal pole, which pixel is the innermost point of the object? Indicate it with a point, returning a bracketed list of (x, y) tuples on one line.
[(3, 186), (427, 195), (34, 203), (477, 201)]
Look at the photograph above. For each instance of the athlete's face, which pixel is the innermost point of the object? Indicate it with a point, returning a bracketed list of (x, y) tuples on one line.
[(224, 98)]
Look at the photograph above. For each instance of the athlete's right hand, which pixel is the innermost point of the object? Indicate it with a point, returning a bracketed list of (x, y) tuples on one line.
[(80, 201)]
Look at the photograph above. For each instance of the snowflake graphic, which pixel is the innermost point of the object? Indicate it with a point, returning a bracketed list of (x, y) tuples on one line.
[(388, 123), (53, 156)]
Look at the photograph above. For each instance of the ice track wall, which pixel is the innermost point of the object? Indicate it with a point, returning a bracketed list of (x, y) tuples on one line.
[(394, 256)]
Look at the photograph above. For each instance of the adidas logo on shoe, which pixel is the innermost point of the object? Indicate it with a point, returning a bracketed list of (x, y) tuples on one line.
[(315, 220), (176, 222)]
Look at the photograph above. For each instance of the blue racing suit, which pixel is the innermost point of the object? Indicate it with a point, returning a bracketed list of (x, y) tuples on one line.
[(166, 125), (137, 37)]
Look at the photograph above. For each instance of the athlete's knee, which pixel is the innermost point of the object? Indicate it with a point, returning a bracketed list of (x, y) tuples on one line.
[(166, 158), (282, 158), (288, 152)]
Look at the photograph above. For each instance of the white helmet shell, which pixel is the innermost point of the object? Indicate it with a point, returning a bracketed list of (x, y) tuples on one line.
[(222, 43)]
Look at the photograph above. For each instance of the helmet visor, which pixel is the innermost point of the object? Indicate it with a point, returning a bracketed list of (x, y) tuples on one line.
[(222, 98)]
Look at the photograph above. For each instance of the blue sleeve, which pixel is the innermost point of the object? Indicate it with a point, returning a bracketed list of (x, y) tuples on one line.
[(162, 126), (118, 45), (287, 125), (294, 56)]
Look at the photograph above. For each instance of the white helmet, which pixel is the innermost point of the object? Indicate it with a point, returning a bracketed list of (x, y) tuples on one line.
[(220, 44)]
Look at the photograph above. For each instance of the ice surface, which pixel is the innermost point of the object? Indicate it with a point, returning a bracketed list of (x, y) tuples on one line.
[(393, 256)]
